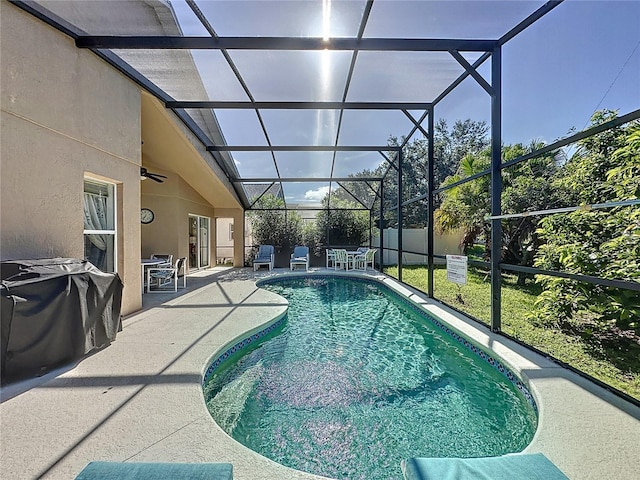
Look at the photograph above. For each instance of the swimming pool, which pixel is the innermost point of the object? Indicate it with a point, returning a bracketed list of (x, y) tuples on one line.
[(355, 379)]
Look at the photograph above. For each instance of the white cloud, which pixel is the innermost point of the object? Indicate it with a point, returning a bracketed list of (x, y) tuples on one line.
[(316, 195)]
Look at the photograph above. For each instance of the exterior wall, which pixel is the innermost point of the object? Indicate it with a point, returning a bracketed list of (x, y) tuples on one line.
[(171, 202), (224, 245), (169, 144), (237, 214), (65, 113)]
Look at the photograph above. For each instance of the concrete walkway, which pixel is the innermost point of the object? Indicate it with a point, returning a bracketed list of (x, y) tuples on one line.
[(140, 399)]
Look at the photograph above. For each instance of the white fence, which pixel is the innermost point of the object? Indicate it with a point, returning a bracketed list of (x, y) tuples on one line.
[(415, 240)]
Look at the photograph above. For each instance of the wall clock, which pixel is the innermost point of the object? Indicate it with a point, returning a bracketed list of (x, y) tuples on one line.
[(146, 216)]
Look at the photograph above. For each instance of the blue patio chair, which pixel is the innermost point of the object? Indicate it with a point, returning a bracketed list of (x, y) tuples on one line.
[(265, 256), (300, 256)]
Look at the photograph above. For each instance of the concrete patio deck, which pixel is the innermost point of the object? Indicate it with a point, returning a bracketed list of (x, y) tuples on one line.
[(140, 399)]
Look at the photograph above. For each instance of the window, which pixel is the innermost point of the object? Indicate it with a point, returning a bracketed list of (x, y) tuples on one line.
[(100, 225), (231, 232)]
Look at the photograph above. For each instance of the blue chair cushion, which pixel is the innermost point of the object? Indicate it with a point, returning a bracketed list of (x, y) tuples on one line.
[(507, 467), (156, 471), (300, 252)]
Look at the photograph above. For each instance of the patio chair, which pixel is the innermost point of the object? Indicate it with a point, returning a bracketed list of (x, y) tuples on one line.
[(341, 259), (300, 256), (363, 260), (331, 257), (265, 256), (161, 276), (168, 258)]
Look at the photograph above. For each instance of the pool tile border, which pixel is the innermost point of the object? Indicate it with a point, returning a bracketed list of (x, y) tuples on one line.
[(460, 339), (240, 345)]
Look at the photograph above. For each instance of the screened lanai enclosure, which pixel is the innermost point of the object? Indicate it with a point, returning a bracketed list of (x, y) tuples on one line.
[(393, 112)]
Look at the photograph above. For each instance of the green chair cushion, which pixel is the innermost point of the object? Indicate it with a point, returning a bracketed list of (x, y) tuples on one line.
[(156, 471), (508, 467)]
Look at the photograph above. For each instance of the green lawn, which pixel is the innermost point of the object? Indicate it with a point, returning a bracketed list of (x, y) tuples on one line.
[(615, 361)]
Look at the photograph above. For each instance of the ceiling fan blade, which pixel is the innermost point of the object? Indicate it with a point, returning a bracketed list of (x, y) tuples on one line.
[(156, 177)]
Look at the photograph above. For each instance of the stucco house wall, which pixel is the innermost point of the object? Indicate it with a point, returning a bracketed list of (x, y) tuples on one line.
[(68, 115), (172, 202), (65, 115), (224, 244)]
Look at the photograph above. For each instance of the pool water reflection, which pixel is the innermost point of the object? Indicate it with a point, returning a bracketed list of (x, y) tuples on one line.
[(355, 381)]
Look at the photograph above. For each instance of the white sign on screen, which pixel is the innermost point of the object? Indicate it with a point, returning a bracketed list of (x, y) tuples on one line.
[(457, 269)]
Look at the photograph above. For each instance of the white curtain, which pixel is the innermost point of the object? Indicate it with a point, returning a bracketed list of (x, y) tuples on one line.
[(95, 218)]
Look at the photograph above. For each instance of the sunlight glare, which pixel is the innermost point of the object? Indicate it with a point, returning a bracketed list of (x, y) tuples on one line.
[(326, 19), (325, 119)]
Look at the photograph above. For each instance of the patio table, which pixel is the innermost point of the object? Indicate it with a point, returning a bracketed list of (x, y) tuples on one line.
[(146, 263)]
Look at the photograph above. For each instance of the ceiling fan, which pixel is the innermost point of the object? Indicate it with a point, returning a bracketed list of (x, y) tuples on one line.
[(156, 177)]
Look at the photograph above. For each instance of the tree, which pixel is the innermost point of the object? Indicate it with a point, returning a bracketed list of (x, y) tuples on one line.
[(468, 137), (450, 146), (583, 179), (365, 193), (358, 192), (414, 181), (311, 237), (466, 205), (602, 243), (526, 187), (275, 227), (342, 227)]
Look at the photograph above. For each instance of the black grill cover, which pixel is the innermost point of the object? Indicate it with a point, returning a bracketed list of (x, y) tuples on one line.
[(55, 310)]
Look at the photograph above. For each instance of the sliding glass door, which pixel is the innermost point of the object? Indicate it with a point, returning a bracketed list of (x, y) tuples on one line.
[(199, 242)]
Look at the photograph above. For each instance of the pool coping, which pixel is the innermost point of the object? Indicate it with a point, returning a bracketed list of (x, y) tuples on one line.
[(141, 398), (533, 371), (565, 401)]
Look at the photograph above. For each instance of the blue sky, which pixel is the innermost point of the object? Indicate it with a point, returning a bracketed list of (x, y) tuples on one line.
[(581, 56)]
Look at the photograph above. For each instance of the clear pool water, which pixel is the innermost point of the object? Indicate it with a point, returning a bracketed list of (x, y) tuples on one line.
[(355, 381)]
